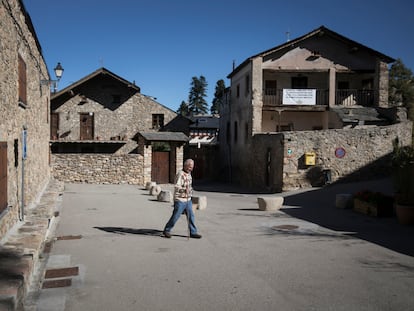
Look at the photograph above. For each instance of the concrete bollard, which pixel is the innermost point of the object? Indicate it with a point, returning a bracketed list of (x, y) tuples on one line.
[(270, 203), (344, 200), (165, 196), (199, 203), (150, 184), (155, 190)]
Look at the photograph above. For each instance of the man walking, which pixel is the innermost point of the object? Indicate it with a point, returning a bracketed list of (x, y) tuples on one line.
[(182, 200)]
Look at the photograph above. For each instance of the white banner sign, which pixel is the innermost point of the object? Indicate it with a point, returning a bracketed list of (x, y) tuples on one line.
[(299, 97)]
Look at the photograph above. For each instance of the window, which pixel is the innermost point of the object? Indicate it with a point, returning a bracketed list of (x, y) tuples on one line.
[(238, 91), (343, 85), (270, 87), (235, 131), (157, 121), (22, 82), (247, 85), (246, 131), (299, 82)]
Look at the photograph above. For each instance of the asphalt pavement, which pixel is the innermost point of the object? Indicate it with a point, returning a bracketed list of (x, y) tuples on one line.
[(310, 255)]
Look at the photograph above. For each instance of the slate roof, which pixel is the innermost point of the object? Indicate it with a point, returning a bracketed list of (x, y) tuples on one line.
[(164, 136), (368, 115), (204, 122)]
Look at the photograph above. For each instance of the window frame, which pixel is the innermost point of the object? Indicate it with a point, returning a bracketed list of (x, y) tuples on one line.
[(157, 121), (22, 82)]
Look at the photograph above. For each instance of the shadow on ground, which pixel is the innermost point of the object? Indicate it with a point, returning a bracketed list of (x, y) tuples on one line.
[(123, 230), (317, 205), (147, 232)]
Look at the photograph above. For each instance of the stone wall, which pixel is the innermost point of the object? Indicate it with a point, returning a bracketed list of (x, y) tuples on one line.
[(18, 39), (99, 168), (366, 156), (278, 161)]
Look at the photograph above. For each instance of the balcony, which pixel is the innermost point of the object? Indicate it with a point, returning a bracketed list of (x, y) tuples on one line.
[(349, 97), (354, 97)]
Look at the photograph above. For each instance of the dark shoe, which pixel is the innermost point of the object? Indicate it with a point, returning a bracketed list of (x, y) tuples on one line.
[(167, 234), (195, 236)]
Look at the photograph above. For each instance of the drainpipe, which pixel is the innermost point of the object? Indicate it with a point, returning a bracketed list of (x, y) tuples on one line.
[(24, 154)]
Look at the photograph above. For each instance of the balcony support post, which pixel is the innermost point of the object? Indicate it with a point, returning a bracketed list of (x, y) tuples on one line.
[(332, 88)]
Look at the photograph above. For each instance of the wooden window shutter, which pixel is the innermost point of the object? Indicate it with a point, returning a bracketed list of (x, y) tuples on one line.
[(22, 81)]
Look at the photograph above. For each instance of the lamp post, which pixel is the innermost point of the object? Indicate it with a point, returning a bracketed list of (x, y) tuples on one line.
[(58, 73)]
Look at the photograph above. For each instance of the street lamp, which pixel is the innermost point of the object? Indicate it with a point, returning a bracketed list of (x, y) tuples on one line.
[(58, 73)]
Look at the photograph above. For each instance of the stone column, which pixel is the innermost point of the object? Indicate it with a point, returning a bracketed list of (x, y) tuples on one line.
[(332, 86), (179, 159), (145, 148), (257, 95), (381, 84)]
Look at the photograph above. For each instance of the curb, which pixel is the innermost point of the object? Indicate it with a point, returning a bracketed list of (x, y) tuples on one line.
[(22, 249)]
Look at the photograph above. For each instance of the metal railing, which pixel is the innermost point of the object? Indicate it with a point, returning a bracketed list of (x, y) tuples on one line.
[(354, 97), (349, 97), (274, 97)]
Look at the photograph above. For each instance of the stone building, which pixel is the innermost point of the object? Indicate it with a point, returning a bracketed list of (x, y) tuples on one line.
[(102, 131), (287, 109), (24, 115)]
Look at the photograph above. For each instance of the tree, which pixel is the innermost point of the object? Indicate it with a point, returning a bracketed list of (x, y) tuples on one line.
[(401, 86), (183, 109), (218, 97), (196, 101)]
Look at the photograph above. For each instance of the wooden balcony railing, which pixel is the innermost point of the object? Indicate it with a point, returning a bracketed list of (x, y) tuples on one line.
[(351, 97)]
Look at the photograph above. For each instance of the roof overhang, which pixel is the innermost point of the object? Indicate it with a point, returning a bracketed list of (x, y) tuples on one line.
[(164, 136)]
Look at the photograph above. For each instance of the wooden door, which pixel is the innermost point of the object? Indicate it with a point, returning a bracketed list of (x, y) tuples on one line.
[(3, 176), (54, 126), (86, 126), (160, 171)]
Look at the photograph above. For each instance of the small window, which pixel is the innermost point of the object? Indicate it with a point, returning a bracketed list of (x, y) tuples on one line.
[(157, 121), (238, 90), (22, 82), (247, 85), (235, 131), (299, 82), (270, 87), (343, 85)]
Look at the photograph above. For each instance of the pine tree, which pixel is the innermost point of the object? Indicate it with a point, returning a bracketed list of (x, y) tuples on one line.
[(401, 86), (183, 109), (218, 97), (196, 101)]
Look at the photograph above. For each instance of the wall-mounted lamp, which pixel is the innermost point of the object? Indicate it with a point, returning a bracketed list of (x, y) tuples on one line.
[(58, 73)]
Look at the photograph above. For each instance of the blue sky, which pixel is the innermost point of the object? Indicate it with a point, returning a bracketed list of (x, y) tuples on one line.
[(162, 44)]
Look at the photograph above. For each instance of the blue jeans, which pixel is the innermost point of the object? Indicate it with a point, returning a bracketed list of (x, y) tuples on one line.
[(179, 208)]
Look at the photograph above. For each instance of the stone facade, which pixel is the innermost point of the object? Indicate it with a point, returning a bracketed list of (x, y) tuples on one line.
[(99, 168), (118, 120), (18, 40), (348, 90), (108, 146)]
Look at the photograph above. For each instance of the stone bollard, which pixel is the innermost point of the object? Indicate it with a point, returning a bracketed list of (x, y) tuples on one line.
[(270, 203), (155, 190), (199, 203), (150, 184), (344, 200), (165, 196)]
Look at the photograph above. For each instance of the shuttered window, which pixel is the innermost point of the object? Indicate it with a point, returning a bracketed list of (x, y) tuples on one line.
[(22, 82)]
